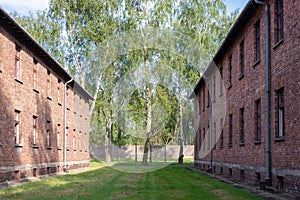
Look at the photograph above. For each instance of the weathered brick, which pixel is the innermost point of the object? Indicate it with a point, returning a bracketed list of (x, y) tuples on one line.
[(20, 162), (284, 72)]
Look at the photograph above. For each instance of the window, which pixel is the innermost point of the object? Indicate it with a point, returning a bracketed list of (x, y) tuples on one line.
[(203, 109), (48, 134), (17, 63), (221, 81), (257, 120), (34, 131), (242, 126), (58, 135), (230, 71), (242, 59), (257, 41), (35, 73), (214, 135), (280, 112), (242, 174), (199, 139), (17, 127), (257, 177), (199, 104), (48, 83), (230, 172), (280, 184), (58, 91), (230, 130), (203, 138), (221, 136), (208, 97), (279, 20), (208, 131)]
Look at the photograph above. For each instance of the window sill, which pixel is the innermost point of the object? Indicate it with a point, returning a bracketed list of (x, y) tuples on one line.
[(35, 90), (18, 145), (59, 148), (256, 142), (48, 147), (242, 144), (35, 146), (59, 104), (80, 150), (68, 149), (278, 44), (19, 81), (68, 108), (256, 63), (221, 147), (279, 139), (49, 98), (241, 76), (230, 86), (74, 149), (229, 145)]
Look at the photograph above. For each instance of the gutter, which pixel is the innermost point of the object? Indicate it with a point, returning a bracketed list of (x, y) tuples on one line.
[(267, 68), (65, 124)]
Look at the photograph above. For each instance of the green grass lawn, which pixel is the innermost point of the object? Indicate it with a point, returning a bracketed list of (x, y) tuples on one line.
[(101, 182)]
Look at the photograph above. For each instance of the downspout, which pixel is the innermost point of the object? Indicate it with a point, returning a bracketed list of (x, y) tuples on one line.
[(65, 124), (210, 128), (267, 68)]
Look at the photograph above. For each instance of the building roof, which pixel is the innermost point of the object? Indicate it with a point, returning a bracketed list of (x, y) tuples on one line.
[(239, 24), (26, 39)]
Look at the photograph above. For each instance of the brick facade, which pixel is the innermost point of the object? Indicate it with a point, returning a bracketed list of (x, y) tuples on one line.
[(34, 90), (245, 157)]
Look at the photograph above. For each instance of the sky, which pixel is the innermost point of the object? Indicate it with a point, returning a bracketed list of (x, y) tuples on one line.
[(24, 6)]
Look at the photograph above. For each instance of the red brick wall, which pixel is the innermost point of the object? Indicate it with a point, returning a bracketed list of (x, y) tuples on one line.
[(19, 95), (285, 72)]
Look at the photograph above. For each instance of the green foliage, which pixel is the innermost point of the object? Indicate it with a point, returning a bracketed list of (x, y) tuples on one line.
[(72, 31)]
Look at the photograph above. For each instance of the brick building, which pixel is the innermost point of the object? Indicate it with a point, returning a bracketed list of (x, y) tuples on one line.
[(32, 117), (247, 104)]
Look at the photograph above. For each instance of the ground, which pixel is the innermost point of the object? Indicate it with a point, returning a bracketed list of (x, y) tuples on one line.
[(101, 182)]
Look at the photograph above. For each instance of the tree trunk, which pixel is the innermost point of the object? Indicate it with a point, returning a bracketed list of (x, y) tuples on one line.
[(148, 128), (107, 147), (180, 130), (95, 95)]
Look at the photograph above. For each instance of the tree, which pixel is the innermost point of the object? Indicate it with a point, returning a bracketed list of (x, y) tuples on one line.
[(74, 30)]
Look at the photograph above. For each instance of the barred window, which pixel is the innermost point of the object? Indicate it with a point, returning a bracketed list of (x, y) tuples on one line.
[(257, 120), (279, 20)]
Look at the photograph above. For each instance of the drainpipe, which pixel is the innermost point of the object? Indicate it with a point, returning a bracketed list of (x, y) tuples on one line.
[(210, 128), (65, 124), (268, 146)]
